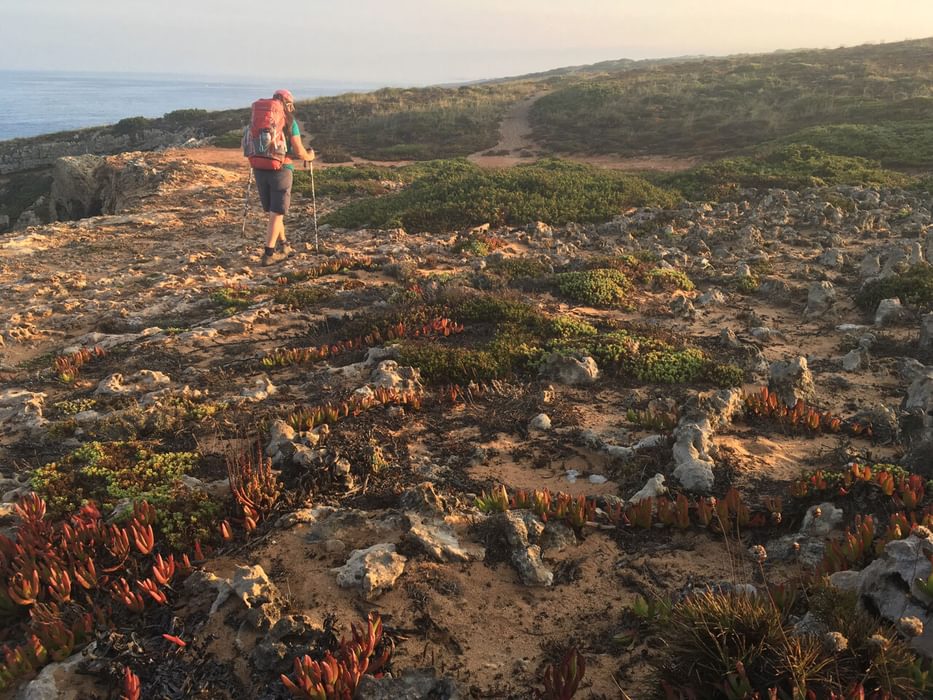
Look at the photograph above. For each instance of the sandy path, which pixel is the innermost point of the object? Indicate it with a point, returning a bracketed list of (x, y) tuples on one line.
[(514, 131), (515, 146)]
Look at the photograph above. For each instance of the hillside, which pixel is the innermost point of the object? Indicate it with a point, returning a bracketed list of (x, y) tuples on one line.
[(399, 379), (502, 425)]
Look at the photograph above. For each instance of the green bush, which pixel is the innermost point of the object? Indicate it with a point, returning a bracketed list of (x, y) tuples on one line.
[(231, 139), (347, 180), (600, 287), (443, 364), (108, 472), (789, 167), (891, 143), (913, 287), (450, 195), (301, 297), (666, 278)]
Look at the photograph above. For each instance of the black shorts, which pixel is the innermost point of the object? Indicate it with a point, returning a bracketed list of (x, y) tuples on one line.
[(275, 189)]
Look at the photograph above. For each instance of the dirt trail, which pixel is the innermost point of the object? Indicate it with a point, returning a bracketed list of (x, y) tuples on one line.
[(514, 133), (515, 146)]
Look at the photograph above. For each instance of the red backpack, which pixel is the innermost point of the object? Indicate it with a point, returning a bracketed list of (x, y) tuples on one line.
[(264, 141)]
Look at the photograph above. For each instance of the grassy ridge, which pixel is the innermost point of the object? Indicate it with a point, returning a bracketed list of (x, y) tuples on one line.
[(722, 106)]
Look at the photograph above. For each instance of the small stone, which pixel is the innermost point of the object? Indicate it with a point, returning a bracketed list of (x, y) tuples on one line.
[(540, 422), (910, 627)]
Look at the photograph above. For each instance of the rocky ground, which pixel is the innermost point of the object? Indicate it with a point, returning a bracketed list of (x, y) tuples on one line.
[(378, 510)]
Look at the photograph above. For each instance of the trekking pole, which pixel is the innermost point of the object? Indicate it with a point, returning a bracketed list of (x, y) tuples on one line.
[(249, 181), (317, 245)]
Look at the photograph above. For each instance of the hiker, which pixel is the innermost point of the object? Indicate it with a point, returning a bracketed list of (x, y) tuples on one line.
[(272, 140)]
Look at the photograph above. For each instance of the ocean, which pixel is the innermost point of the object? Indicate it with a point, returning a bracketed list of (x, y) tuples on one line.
[(38, 102)]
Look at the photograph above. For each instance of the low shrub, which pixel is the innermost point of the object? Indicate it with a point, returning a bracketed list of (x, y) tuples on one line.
[(599, 287), (790, 167), (667, 278), (301, 297), (108, 473), (450, 195), (913, 287)]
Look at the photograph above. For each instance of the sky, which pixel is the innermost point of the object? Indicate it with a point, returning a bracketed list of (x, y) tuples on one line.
[(420, 42)]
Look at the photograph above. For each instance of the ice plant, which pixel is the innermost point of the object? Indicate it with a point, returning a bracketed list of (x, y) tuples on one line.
[(252, 482), (561, 681), (131, 686), (338, 674)]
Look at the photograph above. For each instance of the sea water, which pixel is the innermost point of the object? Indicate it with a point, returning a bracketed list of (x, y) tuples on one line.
[(39, 102)]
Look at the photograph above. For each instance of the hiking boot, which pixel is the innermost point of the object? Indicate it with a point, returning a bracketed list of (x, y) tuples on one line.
[(287, 249), (276, 257)]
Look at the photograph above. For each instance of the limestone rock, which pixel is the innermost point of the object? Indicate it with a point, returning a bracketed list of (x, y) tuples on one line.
[(142, 382), (261, 390), (821, 520), (540, 422), (372, 570), (520, 529), (281, 439), (439, 542), (926, 333), (889, 583), (76, 189), (58, 681), (21, 410), (694, 468), (791, 380), (570, 370), (653, 488), (853, 360), (389, 375), (252, 585), (412, 685), (220, 588), (287, 639), (424, 499), (820, 298), (889, 311)]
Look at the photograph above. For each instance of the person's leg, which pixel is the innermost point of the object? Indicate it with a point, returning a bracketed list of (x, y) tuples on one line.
[(275, 228)]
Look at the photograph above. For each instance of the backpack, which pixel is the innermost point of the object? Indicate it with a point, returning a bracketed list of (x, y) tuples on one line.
[(264, 139)]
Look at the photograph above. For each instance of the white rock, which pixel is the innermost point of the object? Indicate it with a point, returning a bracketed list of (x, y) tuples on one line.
[(21, 409), (540, 422), (889, 311), (141, 382), (437, 539), (829, 519), (694, 467), (372, 570), (58, 681), (653, 488), (262, 389)]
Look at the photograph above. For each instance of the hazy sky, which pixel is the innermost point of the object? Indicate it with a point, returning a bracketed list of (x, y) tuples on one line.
[(409, 42)]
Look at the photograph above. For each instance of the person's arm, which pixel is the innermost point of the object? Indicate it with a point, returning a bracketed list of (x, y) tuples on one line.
[(298, 150)]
